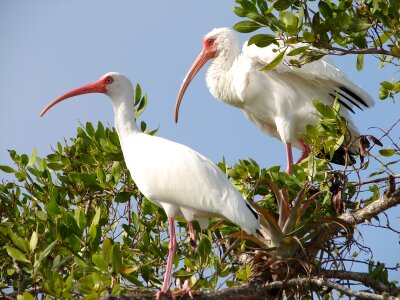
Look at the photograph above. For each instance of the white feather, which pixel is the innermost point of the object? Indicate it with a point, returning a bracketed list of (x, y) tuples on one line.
[(278, 101)]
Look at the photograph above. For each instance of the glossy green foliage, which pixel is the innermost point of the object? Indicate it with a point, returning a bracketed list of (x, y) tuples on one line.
[(73, 224), (341, 27)]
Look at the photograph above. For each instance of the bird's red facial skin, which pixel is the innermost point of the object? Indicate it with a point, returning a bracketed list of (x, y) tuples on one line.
[(210, 47), (106, 81)]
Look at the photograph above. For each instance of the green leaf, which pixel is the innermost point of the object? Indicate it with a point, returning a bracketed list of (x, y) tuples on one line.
[(21, 243), (244, 274), (239, 11), (33, 241), (324, 9), (25, 296), (100, 131), (141, 107), (275, 62), (282, 4), (324, 110), (247, 5), (383, 93), (344, 21), (308, 36), (52, 207), (122, 197), (7, 169), (55, 166), (298, 50), (204, 249), (114, 139), (387, 152), (289, 22), (96, 218), (24, 159), (387, 85), (143, 126), (358, 25), (99, 262), (246, 26), (360, 41), (383, 39), (116, 258), (46, 251), (87, 284), (106, 249), (182, 273), (16, 254), (263, 6), (90, 129), (256, 17), (360, 62), (80, 217), (262, 40), (32, 158), (94, 231), (138, 94)]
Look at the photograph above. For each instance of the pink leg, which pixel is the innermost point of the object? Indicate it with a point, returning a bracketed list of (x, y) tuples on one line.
[(186, 289), (172, 247), (289, 157), (192, 234), (305, 151)]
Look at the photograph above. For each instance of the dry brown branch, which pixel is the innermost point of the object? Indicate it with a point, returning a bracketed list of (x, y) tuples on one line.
[(263, 291), (353, 218), (361, 277)]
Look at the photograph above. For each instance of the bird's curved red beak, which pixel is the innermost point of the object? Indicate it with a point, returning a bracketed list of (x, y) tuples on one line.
[(203, 57), (94, 87)]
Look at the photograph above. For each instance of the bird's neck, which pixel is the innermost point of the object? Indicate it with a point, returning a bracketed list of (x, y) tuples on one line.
[(220, 76), (125, 117)]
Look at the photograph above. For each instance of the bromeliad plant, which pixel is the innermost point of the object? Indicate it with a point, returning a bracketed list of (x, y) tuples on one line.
[(293, 208)]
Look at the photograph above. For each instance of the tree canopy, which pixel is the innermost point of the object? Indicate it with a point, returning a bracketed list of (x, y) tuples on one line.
[(73, 224)]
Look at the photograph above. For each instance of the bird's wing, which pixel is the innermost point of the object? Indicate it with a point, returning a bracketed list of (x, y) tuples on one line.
[(319, 72), (169, 172)]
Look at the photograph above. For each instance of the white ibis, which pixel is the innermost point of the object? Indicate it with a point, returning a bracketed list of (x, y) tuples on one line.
[(173, 176), (279, 101)]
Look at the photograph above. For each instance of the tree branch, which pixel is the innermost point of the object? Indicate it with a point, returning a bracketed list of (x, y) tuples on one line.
[(263, 291), (361, 277), (353, 218), (343, 51)]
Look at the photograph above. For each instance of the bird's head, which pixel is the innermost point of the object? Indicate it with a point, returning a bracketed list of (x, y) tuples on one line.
[(219, 42), (112, 84)]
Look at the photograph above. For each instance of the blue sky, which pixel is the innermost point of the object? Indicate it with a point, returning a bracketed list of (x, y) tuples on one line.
[(50, 47)]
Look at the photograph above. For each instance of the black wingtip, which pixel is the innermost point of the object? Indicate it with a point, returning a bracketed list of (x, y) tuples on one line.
[(354, 95), (342, 103), (252, 210), (339, 157)]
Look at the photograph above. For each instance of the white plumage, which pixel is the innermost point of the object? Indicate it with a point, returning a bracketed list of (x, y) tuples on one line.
[(278, 101), (175, 177)]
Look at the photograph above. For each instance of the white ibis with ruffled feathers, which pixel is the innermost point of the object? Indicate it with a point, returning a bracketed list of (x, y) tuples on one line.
[(180, 180), (278, 101)]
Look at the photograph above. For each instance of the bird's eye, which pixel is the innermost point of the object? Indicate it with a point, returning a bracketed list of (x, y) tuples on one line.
[(210, 42), (109, 79)]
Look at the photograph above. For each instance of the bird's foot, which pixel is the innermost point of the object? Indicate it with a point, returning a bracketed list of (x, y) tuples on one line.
[(167, 294), (186, 289)]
